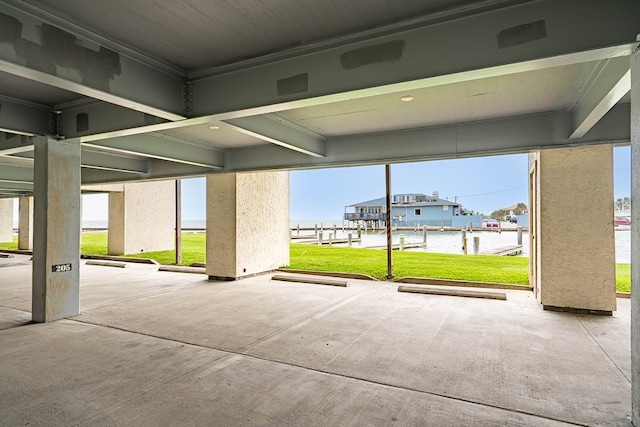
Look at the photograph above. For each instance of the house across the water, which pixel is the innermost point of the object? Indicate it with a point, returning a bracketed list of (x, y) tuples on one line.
[(412, 210)]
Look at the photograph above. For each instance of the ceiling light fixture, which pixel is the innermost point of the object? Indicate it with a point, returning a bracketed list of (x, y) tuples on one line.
[(214, 127), (406, 98)]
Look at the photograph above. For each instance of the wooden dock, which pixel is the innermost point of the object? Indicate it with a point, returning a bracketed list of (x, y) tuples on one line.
[(333, 241), (304, 237), (397, 247), (504, 251)]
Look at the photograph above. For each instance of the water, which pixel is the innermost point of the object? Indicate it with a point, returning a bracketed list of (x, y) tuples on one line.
[(442, 242), (450, 242)]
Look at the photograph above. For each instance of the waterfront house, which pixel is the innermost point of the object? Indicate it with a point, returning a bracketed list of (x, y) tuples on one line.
[(411, 210)]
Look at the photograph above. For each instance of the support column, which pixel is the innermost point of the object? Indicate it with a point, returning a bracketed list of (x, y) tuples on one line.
[(6, 220), (25, 223), (247, 223), (574, 232), (56, 243), (142, 218), (635, 238)]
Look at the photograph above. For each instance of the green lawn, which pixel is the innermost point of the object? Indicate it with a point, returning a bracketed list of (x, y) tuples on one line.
[(193, 248), (373, 262), (483, 268)]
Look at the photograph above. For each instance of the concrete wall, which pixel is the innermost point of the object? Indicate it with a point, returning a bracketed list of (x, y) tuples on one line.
[(142, 218), (247, 223), (6, 220), (575, 259)]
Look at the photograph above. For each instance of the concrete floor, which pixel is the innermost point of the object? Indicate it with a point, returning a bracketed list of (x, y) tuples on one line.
[(173, 349)]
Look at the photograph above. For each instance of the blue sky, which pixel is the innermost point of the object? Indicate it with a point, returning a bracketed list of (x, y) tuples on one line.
[(481, 184)]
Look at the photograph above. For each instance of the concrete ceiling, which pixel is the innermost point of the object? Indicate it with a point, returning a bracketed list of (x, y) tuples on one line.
[(159, 89)]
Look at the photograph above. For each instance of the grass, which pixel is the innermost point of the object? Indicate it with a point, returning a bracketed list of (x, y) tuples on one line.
[(193, 248), (483, 268), (373, 262)]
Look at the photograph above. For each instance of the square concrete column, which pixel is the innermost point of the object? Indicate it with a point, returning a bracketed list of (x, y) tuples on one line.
[(635, 238), (247, 223), (142, 218), (25, 223), (56, 243), (573, 249), (6, 220)]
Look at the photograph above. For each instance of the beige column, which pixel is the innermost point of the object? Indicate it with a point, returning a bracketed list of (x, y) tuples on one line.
[(6, 220), (25, 223), (573, 246), (247, 223), (142, 218)]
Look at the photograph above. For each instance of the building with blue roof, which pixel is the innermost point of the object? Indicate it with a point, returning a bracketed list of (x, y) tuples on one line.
[(411, 210)]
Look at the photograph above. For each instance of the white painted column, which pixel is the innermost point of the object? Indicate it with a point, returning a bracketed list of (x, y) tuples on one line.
[(247, 223), (25, 223), (6, 220), (56, 243), (635, 238)]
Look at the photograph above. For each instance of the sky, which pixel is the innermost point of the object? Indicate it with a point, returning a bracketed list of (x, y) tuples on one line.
[(482, 184)]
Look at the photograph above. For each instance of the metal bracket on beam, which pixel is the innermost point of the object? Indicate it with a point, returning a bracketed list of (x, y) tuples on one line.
[(188, 97)]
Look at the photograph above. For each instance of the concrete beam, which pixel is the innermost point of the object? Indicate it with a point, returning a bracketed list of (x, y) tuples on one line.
[(510, 135), (13, 173), (98, 117), (162, 147), (32, 48), (484, 45), (277, 130), (14, 144), (21, 117), (16, 186), (607, 84), (111, 162), (103, 161)]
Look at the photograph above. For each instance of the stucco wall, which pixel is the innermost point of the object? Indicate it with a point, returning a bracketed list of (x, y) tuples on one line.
[(6, 220), (576, 258), (247, 223), (116, 216), (221, 225), (25, 223), (142, 218)]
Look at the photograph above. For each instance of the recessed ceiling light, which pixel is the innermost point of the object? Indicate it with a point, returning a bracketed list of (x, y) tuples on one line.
[(214, 127), (406, 98)]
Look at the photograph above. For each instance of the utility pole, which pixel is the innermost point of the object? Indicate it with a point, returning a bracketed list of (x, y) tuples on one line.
[(178, 222), (387, 168)]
